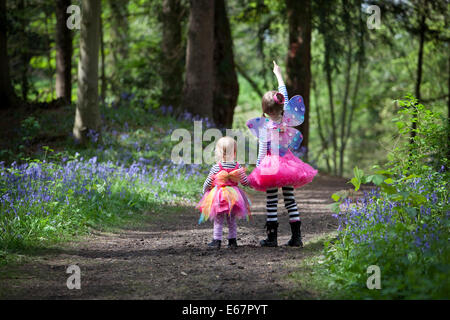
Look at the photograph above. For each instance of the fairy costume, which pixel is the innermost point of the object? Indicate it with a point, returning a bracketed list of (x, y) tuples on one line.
[(277, 166), (224, 197)]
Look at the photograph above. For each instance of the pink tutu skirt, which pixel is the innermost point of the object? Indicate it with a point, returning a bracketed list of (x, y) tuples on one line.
[(226, 199), (275, 172)]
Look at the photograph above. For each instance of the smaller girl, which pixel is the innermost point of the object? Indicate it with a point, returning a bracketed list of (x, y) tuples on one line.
[(222, 196)]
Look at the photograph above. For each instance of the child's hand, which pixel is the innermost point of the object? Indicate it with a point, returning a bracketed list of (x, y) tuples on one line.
[(276, 69)]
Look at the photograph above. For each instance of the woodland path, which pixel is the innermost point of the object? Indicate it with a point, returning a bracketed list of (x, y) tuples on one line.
[(167, 257)]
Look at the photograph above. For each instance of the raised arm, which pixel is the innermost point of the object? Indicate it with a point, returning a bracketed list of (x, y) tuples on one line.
[(281, 86), (277, 72)]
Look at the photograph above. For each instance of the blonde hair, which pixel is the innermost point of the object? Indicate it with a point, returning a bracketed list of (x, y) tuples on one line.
[(225, 149)]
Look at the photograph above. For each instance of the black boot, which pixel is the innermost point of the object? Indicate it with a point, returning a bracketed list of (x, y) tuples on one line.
[(215, 244), (232, 243), (271, 241), (296, 238)]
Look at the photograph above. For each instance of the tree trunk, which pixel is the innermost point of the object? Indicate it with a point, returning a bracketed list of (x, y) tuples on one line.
[(344, 109), (348, 30), (328, 72), (24, 55), (359, 73), (298, 65), (199, 82), (262, 27), (172, 53), (119, 42), (102, 56), (319, 125), (63, 52), (87, 116), (226, 86), (7, 96)]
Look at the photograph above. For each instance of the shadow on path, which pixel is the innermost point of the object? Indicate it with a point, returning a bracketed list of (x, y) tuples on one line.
[(168, 257)]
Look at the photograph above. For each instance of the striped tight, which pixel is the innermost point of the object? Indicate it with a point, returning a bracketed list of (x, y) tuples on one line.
[(289, 204)]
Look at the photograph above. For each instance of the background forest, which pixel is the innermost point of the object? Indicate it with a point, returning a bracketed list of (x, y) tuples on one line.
[(356, 73), (88, 106)]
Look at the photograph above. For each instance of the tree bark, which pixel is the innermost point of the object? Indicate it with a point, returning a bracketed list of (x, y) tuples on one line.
[(298, 65), (348, 29), (24, 55), (319, 125), (63, 52), (172, 53), (328, 72), (102, 56), (7, 96), (87, 116), (199, 81), (344, 110), (226, 86)]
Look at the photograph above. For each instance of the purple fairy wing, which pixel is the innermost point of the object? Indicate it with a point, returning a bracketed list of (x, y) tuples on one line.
[(297, 138), (288, 138), (257, 125), (294, 111)]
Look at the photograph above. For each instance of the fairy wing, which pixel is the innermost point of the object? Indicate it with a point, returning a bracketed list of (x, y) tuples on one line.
[(257, 125), (296, 140), (288, 137), (291, 139), (294, 111)]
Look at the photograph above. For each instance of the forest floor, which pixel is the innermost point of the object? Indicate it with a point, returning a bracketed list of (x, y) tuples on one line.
[(165, 256)]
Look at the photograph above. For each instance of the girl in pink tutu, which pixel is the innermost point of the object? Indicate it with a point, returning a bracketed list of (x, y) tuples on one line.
[(277, 167), (222, 196)]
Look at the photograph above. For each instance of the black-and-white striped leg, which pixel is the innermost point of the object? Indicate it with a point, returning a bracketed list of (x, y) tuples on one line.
[(271, 204), (290, 204)]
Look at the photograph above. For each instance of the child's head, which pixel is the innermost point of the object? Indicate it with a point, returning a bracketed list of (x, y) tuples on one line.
[(226, 149), (272, 103)]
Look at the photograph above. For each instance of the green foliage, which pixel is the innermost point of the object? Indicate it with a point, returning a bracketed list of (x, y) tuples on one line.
[(429, 146), (55, 195), (401, 226), (30, 128)]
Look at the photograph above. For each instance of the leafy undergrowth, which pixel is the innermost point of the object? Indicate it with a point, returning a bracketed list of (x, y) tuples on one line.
[(392, 242), (125, 172)]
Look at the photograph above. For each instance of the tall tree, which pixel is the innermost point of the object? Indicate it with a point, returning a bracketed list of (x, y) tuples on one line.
[(199, 81), (63, 52), (226, 86), (102, 61), (87, 116), (172, 52), (298, 66), (119, 42), (7, 96), (24, 49), (332, 48)]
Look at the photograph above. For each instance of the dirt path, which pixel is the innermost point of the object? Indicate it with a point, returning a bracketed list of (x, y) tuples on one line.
[(168, 258)]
